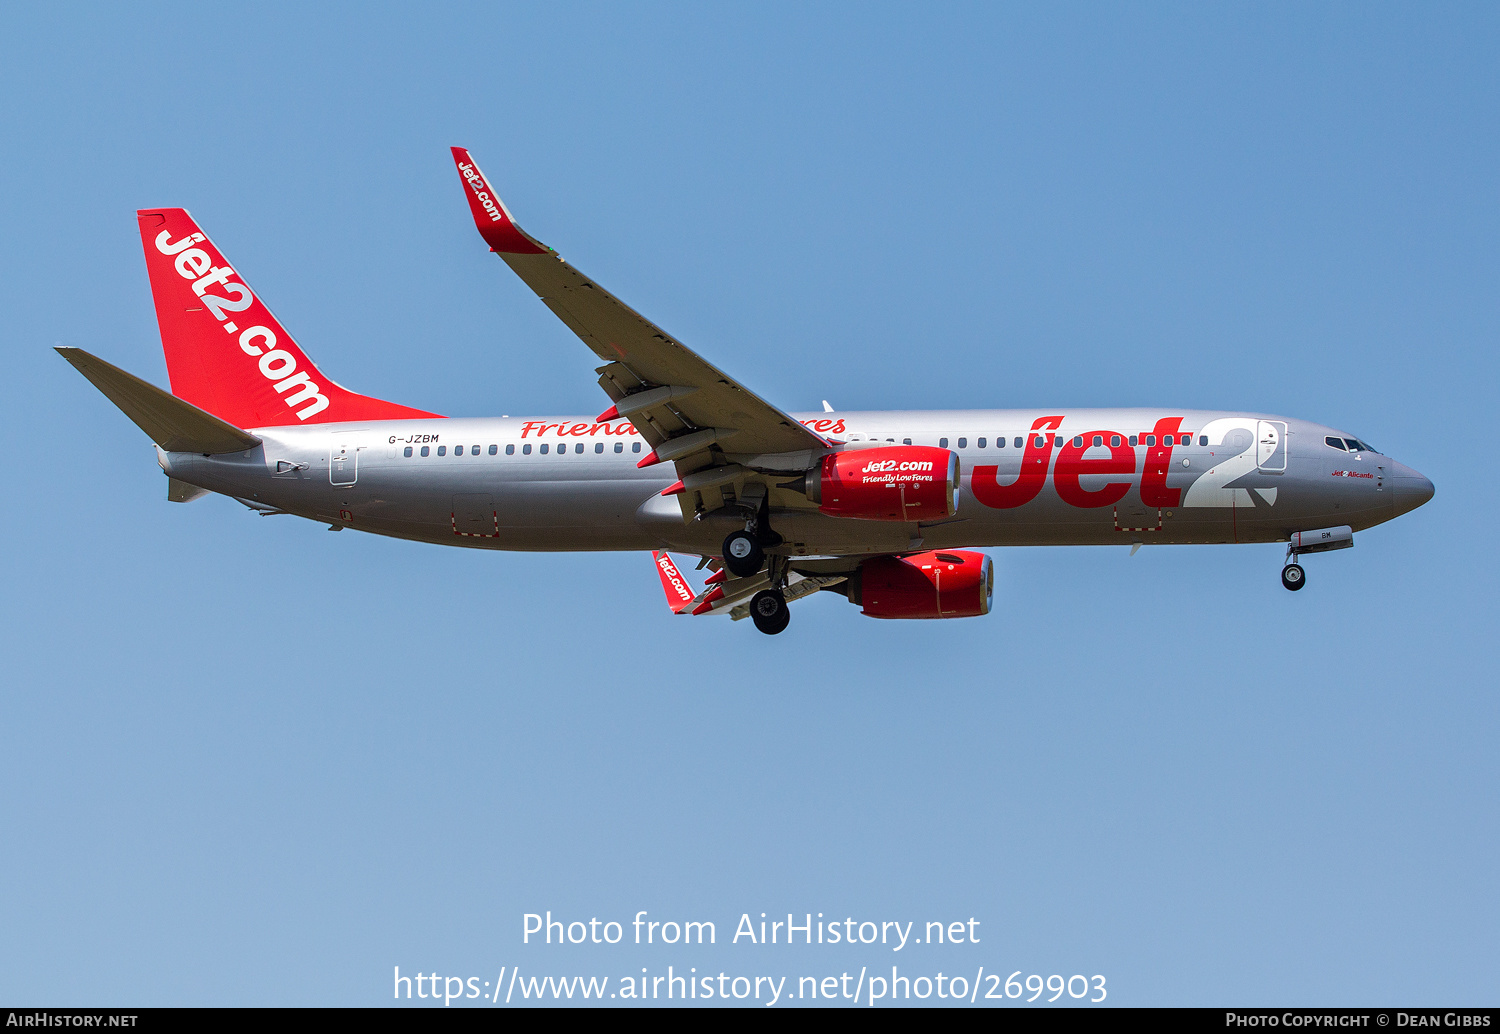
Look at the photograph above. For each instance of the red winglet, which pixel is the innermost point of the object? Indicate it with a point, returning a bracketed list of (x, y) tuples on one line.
[(716, 594), (675, 488), (717, 577), (679, 595), (612, 413), (493, 219), (648, 459)]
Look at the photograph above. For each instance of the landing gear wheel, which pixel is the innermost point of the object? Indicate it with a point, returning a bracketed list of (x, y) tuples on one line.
[(1293, 577), (743, 555), (769, 611)]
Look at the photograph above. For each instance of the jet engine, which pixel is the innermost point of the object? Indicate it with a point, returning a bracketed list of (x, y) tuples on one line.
[(936, 584), (891, 483)]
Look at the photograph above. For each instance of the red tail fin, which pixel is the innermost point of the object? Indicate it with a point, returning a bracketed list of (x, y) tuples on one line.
[(225, 352)]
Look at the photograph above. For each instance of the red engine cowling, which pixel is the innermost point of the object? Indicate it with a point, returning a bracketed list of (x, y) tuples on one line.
[(937, 584), (893, 483)]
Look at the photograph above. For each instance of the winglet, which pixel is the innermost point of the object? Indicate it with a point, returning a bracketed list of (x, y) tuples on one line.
[(679, 595), (493, 219)]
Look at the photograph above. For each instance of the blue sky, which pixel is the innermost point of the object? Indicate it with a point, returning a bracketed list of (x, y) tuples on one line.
[(250, 762)]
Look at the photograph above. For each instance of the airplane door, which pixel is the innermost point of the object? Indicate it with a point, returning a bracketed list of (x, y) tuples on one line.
[(1270, 446), (475, 515), (343, 460)]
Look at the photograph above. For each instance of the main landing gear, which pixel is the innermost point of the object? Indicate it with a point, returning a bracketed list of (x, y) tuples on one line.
[(769, 611), (1293, 577), (745, 557), (743, 554)]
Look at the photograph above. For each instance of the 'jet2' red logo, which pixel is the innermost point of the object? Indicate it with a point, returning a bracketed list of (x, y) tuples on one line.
[(1072, 466)]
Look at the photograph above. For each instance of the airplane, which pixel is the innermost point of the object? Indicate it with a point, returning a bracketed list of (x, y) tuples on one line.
[(887, 509)]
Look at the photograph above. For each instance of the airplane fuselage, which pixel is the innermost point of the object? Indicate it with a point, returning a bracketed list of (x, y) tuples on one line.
[(1028, 477)]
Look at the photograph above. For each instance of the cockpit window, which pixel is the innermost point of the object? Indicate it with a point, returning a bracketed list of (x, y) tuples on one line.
[(1354, 445), (1334, 443), (1368, 447)]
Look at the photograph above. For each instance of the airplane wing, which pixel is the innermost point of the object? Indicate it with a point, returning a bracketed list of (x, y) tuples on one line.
[(687, 409)]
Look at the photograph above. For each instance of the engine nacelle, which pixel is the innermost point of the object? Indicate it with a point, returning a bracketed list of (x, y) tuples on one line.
[(936, 584), (891, 483)]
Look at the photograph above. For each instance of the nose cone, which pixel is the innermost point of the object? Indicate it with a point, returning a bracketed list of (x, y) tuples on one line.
[(1409, 489)]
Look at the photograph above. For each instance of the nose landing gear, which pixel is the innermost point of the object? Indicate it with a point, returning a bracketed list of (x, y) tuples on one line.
[(1321, 540), (1293, 577)]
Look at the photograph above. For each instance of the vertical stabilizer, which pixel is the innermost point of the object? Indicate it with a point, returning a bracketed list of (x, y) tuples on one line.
[(225, 352)]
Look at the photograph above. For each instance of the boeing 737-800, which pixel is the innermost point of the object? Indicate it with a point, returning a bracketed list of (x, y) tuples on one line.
[(885, 508)]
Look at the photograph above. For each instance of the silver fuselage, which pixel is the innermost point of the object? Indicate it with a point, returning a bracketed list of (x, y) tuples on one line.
[(1259, 478)]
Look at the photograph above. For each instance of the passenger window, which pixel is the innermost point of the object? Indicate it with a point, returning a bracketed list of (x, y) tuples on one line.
[(963, 443), (1353, 445), (635, 446), (1203, 439), (1098, 440), (1151, 440), (619, 446), (1134, 441), (598, 447), (544, 448), (494, 450), (906, 441), (942, 443), (1114, 441), (1078, 442), (1057, 440), (510, 450), (526, 450), (578, 447), (1040, 443), (442, 450), (406, 451), (1334, 443), (981, 443), (1019, 442), (1167, 440), (424, 450)]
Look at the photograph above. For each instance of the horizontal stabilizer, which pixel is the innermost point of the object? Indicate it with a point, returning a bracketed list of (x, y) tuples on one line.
[(182, 492), (175, 425)]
